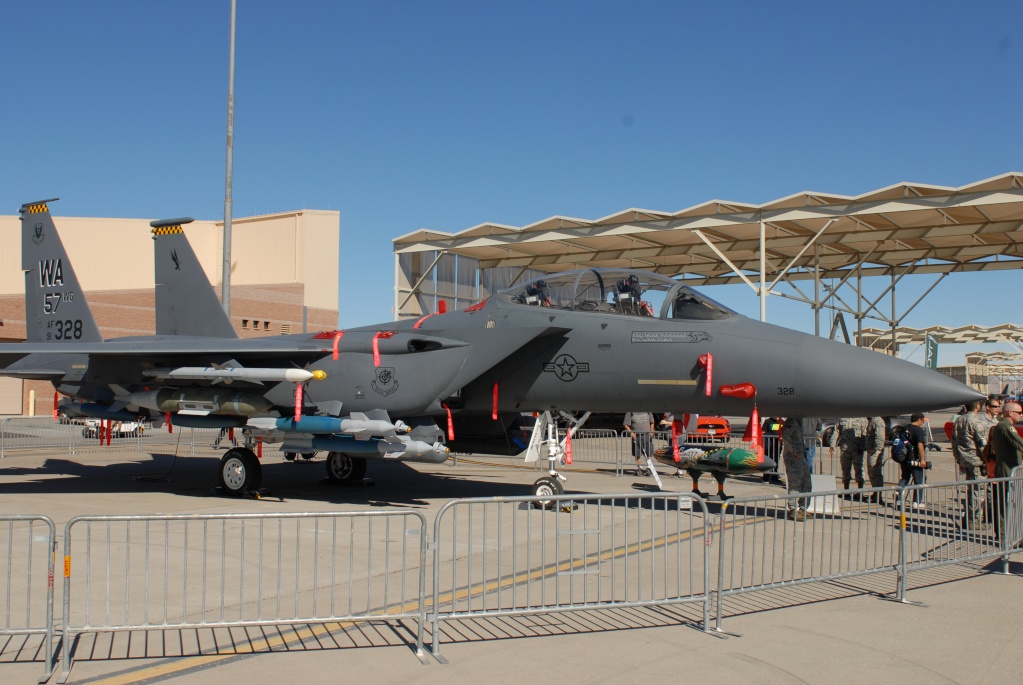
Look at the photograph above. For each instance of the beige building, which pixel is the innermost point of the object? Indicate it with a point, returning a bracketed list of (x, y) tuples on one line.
[(284, 279)]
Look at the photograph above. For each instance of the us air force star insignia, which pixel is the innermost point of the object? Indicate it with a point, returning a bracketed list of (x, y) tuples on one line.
[(385, 383), (37, 234), (566, 368)]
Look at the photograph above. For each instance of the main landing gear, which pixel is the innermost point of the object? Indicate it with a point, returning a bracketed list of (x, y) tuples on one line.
[(344, 469), (240, 472)]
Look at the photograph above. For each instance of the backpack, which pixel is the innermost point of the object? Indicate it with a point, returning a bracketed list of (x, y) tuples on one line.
[(900, 444)]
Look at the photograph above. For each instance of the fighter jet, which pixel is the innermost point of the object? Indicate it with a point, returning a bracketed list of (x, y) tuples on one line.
[(605, 340)]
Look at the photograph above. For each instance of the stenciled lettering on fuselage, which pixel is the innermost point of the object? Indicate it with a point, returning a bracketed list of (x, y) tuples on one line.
[(566, 368), (385, 382), (670, 336)]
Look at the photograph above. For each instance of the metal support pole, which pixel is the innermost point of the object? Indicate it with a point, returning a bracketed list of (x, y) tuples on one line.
[(859, 308), (816, 290), (763, 269), (225, 288), (895, 346)]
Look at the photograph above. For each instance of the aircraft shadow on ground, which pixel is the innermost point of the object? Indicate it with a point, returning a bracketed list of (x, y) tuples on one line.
[(389, 483)]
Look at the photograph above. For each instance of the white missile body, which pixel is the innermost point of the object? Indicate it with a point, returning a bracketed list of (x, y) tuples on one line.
[(213, 373)]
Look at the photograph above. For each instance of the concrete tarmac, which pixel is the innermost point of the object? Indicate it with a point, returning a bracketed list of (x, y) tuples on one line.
[(970, 630)]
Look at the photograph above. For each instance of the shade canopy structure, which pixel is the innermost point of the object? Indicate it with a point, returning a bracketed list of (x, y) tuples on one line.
[(893, 232)]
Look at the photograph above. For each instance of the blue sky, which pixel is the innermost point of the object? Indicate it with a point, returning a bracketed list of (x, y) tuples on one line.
[(444, 115)]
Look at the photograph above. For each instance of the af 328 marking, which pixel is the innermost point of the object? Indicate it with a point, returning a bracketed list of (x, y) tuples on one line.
[(65, 329)]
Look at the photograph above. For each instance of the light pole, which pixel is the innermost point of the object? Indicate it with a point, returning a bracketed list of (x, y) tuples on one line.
[(225, 298)]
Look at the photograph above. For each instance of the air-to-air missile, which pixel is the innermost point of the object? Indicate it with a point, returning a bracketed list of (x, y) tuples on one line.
[(359, 426), (228, 374), (399, 447)]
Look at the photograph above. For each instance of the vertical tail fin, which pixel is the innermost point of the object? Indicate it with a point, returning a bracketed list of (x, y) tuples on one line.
[(186, 303), (55, 307)]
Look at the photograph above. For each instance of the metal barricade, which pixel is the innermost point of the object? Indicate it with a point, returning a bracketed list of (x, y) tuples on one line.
[(510, 556), (960, 522), (765, 542), (26, 606), (596, 446), (39, 433), (204, 571)]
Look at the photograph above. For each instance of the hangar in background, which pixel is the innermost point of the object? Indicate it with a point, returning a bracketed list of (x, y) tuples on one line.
[(811, 247), (284, 278)]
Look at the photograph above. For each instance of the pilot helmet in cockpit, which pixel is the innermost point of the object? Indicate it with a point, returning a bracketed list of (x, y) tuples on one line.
[(629, 285), (536, 293)]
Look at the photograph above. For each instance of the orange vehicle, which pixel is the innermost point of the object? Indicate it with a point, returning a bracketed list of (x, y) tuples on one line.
[(712, 428)]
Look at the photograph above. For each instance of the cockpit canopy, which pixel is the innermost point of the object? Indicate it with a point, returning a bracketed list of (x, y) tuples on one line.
[(617, 291)]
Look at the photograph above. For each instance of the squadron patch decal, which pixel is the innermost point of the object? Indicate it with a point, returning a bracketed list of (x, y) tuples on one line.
[(385, 382)]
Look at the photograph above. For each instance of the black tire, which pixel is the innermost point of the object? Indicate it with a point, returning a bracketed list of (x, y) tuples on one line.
[(548, 486), (308, 455), (89, 433), (290, 456), (343, 469), (240, 471)]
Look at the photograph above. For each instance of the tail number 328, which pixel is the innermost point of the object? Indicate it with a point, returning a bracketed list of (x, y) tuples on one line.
[(66, 329)]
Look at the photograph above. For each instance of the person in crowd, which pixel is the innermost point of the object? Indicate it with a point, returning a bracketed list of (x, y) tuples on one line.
[(992, 410), (811, 429), (640, 427), (1007, 447), (969, 436), (850, 437), (916, 460), (875, 442), (797, 474)]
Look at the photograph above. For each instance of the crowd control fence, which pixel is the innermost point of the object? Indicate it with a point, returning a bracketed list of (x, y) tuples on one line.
[(126, 573), (521, 555), (488, 558), (777, 541), (41, 434), (26, 606)]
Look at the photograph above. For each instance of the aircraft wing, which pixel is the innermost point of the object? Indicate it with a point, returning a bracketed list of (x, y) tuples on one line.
[(33, 374), (172, 346)]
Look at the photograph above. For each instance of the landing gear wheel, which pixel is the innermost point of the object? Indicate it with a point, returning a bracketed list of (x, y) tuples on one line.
[(343, 469), (308, 455), (240, 471), (290, 456), (548, 486)]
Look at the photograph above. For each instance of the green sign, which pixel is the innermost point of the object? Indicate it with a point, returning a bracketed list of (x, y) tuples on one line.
[(931, 352)]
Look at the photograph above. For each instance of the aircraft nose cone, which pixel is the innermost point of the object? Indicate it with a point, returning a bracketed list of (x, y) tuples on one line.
[(848, 381)]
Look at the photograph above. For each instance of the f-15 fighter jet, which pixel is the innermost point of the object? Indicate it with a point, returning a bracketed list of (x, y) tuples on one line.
[(603, 340)]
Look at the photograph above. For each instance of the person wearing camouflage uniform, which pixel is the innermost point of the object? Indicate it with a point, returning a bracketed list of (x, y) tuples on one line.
[(875, 444), (797, 473), (850, 436), (969, 435), (989, 417)]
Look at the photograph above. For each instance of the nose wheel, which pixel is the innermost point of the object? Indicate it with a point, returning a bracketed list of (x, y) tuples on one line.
[(547, 486)]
